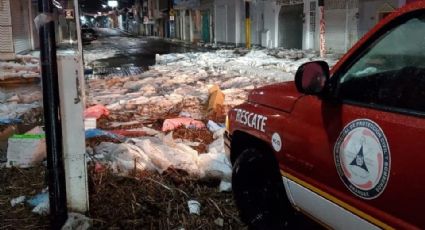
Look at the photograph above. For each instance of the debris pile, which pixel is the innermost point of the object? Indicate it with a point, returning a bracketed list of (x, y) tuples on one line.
[(15, 183), (183, 82), (180, 93), (181, 143), (23, 69), (20, 110), (140, 200), (150, 201), (154, 141)]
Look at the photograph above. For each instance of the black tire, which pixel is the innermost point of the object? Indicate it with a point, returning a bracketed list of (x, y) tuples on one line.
[(259, 192)]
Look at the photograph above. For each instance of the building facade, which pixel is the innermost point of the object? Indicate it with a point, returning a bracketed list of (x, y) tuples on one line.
[(17, 33)]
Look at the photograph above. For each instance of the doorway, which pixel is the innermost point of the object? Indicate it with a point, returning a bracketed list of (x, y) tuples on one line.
[(291, 26)]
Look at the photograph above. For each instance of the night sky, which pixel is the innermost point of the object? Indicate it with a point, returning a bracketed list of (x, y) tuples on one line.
[(93, 6)]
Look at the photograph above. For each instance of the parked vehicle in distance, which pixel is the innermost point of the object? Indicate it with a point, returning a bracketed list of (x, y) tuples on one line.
[(348, 142), (88, 34)]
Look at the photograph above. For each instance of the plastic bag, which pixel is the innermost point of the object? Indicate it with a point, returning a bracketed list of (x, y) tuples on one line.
[(215, 166), (172, 124), (92, 133), (96, 111), (124, 157), (165, 153), (40, 202)]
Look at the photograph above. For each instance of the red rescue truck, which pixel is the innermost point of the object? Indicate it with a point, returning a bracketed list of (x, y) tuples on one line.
[(344, 146)]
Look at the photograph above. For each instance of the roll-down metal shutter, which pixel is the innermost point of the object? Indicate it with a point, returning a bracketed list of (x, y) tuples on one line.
[(20, 22), (6, 40)]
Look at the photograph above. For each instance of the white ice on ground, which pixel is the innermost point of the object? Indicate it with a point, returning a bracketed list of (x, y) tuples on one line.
[(179, 84), (181, 81), (23, 66)]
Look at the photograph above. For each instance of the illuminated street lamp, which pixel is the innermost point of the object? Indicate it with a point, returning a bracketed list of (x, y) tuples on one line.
[(113, 3)]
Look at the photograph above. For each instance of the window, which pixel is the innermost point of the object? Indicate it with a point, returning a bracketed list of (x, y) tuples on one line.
[(391, 72)]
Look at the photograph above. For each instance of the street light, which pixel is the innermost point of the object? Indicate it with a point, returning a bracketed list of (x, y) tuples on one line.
[(113, 3)]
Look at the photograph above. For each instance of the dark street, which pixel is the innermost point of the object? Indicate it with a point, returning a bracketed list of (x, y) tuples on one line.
[(132, 51)]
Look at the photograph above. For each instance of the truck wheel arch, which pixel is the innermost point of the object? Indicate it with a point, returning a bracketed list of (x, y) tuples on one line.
[(242, 140)]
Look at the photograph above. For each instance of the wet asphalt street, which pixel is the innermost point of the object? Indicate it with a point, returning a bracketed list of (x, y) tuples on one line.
[(133, 51)]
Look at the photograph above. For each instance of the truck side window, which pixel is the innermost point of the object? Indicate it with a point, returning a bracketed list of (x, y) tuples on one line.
[(391, 72)]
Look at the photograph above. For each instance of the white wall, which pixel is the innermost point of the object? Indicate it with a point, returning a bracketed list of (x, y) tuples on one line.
[(220, 29), (369, 12), (341, 30), (227, 21), (311, 35), (264, 16), (271, 18), (239, 22), (258, 17), (257, 25)]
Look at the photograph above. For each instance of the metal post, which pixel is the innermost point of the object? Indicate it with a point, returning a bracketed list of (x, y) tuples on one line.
[(322, 29), (247, 25), (53, 128), (80, 51)]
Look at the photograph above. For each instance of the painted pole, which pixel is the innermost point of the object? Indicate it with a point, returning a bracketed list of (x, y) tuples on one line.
[(322, 29), (247, 25), (52, 119)]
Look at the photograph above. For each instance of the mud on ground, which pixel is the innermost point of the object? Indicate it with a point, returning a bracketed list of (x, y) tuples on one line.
[(142, 201)]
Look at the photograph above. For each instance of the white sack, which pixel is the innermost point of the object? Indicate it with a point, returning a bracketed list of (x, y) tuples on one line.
[(123, 157), (215, 166)]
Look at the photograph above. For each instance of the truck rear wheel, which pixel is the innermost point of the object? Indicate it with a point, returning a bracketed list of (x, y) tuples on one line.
[(259, 192)]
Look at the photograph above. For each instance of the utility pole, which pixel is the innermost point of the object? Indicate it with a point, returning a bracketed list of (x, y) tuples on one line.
[(247, 25), (52, 118), (322, 29)]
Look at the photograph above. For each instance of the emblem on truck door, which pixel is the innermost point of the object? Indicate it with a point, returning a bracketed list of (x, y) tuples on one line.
[(362, 158), (276, 142)]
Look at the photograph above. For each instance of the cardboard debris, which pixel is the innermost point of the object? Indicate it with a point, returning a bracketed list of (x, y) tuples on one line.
[(90, 123), (216, 99), (26, 150)]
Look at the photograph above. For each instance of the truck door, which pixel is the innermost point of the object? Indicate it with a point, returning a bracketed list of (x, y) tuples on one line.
[(363, 151)]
